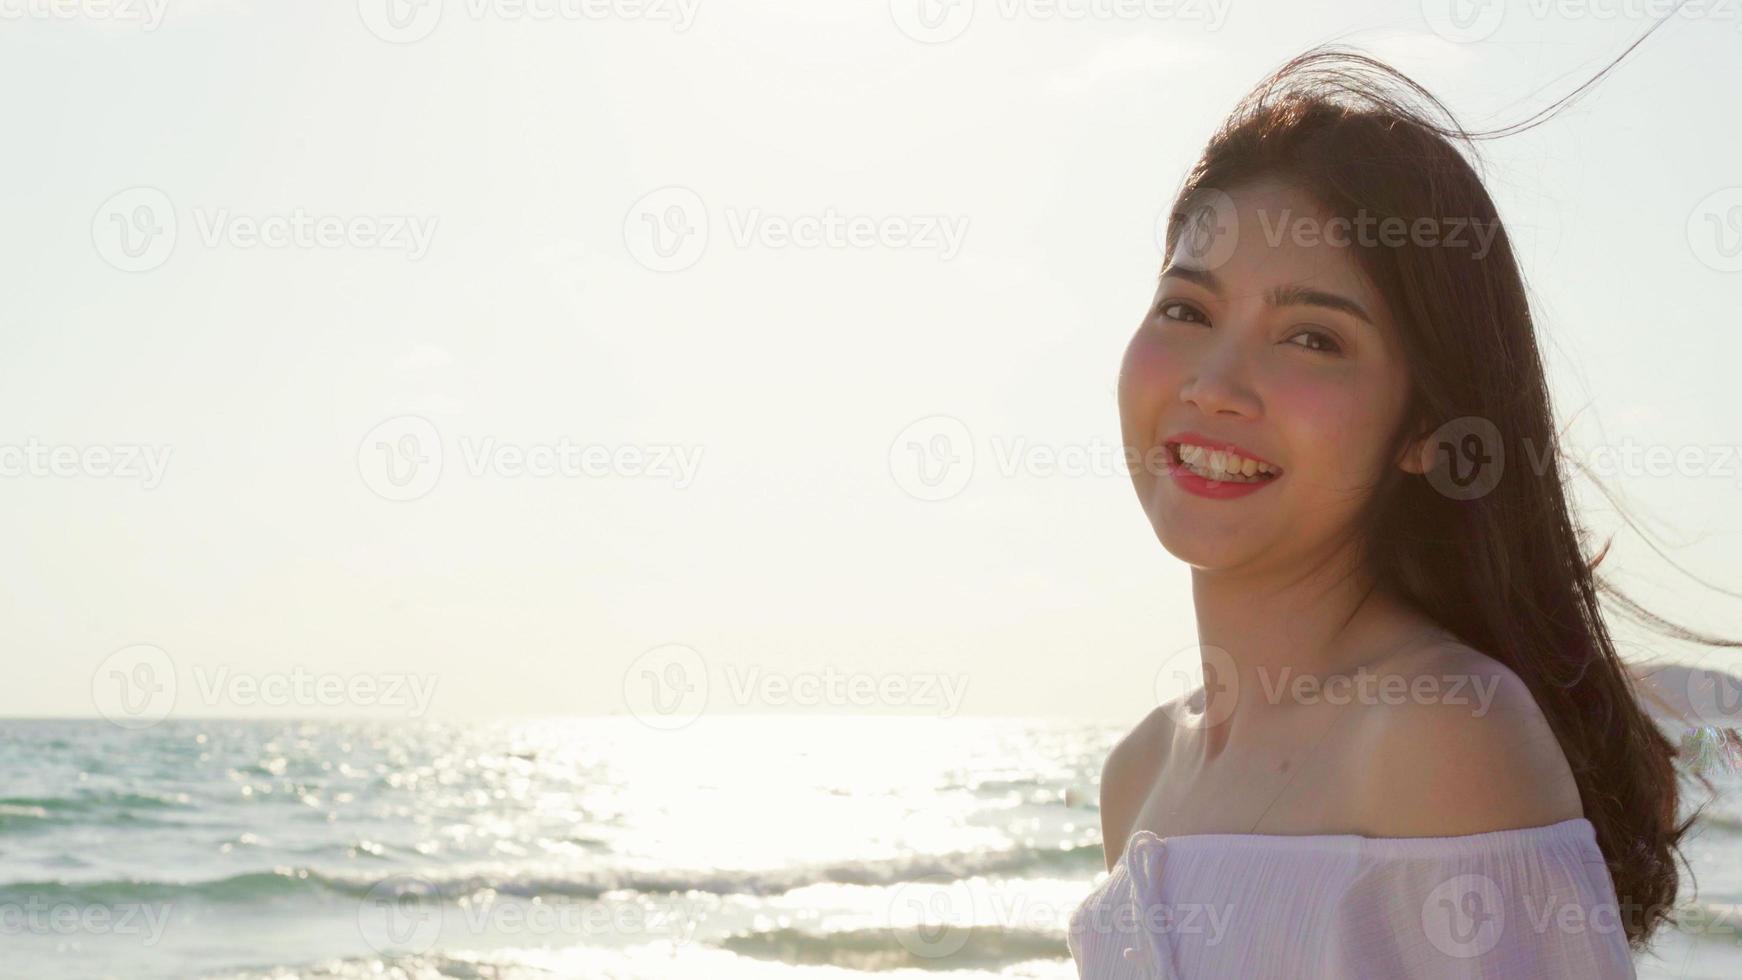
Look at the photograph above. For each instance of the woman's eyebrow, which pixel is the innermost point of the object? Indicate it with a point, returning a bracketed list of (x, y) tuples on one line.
[(1307, 296), (1291, 295), (1201, 277)]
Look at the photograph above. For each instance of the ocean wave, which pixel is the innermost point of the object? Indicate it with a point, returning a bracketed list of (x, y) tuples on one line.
[(979, 947), (15, 814), (1074, 858), (20, 814), (607, 964), (235, 888), (457, 967), (583, 884), (88, 801)]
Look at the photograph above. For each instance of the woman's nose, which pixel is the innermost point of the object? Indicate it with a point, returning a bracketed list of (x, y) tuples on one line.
[(1220, 384)]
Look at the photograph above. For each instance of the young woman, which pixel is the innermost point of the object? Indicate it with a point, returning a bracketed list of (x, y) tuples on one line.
[(1415, 751)]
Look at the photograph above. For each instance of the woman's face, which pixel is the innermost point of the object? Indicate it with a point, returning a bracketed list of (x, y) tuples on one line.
[(1266, 336)]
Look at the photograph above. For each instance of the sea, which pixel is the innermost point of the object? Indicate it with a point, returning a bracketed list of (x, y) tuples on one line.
[(803, 846)]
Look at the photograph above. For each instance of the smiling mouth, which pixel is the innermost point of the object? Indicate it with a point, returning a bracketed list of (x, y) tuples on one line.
[(1221, 466)]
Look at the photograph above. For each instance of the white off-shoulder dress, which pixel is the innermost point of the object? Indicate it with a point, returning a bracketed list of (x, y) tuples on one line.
[(1523, 904)]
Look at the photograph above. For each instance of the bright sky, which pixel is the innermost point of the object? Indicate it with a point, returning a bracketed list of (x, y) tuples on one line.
[(427, 234)]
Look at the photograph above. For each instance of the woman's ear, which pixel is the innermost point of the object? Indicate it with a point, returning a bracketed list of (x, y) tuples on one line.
[(1418, 456)]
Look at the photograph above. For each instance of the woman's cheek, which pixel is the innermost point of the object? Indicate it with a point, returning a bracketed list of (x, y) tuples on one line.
[(1145, 374), (1331, 424)]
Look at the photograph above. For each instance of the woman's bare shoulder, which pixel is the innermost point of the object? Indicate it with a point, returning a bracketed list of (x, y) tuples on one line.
[(1129, 773), (1461, 747)]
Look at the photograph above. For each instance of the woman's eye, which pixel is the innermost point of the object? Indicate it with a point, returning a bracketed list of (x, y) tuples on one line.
[(1173, 309), (1327, 344)]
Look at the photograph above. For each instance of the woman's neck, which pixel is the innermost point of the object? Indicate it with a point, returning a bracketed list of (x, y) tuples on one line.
[(1263, 636)]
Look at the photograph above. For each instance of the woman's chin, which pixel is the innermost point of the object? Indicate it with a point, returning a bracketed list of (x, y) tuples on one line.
[(1203, 548)]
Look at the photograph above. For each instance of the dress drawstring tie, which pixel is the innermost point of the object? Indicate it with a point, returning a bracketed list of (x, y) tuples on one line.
[(1145, 861)]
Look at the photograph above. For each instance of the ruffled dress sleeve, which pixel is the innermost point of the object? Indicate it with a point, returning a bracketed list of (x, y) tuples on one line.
[(1533, 904), (1529, 903)]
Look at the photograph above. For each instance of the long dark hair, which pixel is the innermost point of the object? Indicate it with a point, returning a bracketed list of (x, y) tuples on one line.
[(1503, 566)]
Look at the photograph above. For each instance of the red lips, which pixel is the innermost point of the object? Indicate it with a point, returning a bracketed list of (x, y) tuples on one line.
[(1203, 486)]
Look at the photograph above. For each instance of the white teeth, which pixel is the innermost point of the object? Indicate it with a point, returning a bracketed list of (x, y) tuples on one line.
[(1217, 464)]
